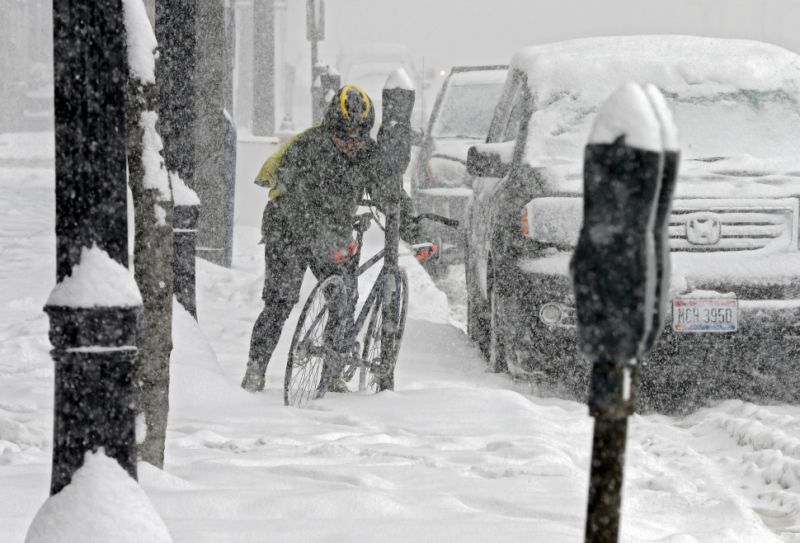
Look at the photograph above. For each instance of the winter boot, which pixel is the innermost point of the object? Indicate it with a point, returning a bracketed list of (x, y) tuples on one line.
[(254, 378)]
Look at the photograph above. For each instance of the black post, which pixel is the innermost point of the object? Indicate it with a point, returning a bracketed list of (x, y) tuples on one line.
[(264, 67), (93, 335), (175, 77), (394, 143), (176, 22), (185, 219), (627, 195)]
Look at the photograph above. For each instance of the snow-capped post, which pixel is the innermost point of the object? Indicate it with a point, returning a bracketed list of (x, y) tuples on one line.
[(394, 144), (625, 208), (94, 307), (184, 223), (153, 246)]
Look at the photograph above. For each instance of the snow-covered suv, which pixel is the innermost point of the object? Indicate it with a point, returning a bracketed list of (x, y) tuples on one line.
[(733, 229)]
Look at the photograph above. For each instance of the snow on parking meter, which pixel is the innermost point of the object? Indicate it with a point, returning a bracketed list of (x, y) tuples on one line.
[(620, 272), (669, 176)]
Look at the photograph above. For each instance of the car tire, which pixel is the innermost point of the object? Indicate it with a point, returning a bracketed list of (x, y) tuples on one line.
[(498, 351), (477, 321)]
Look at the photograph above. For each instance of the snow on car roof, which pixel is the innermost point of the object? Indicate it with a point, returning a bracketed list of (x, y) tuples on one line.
[(736, 106), (707, 65)]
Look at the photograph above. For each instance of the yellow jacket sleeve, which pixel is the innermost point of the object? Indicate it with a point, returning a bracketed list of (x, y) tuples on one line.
[(268, 174)]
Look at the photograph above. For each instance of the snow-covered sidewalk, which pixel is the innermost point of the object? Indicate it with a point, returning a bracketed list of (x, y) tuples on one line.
[(455, 453)]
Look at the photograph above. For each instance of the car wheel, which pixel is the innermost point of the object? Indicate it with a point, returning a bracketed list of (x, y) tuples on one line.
[(497, 345), (477, 322)]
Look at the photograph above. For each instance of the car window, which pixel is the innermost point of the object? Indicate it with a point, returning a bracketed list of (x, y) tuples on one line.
[(515, 116), (503, 108), (503, 122), (466, 110)]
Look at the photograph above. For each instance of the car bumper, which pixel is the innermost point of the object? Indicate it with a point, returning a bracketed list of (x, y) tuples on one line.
[(761, 361)]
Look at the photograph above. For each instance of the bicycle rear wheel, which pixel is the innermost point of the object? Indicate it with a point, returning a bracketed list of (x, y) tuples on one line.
[(313, 348), (374, 374)]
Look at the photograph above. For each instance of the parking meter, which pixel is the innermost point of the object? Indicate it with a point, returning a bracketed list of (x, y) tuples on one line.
[(394, 154), (613, 266), (620, 271)]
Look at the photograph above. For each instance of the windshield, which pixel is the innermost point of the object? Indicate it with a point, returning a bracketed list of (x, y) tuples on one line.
[(761, 124), (466, 111)]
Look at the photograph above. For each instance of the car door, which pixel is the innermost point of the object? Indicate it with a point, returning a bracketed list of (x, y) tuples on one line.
[(502, 139)]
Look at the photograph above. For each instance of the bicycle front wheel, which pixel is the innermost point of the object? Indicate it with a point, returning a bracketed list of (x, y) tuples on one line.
[(313, 348), (376, 374)]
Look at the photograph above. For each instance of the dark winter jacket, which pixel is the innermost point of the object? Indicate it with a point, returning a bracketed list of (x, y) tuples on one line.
[(315, 189)]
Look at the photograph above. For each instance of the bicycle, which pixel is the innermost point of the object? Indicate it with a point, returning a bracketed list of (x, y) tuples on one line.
[(329, 344)]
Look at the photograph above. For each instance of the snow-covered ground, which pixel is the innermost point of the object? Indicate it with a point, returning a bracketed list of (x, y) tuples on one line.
[(455, 453)]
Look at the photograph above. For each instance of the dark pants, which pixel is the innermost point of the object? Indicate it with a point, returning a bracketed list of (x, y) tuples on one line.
[(286, 261)]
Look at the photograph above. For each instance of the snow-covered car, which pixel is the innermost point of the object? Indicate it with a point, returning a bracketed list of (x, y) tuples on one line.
[(460, 119), (734, 227)]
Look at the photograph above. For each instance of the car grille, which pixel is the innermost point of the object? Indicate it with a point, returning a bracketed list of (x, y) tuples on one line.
[(733, 225)]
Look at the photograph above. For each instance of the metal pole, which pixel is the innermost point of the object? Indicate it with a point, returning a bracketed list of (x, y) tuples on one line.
[(264, 67), (94, 343), (209, 179), (394, 144), (315, 32), (611, 403)]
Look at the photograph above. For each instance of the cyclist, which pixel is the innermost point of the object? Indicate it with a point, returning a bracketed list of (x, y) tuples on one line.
[(316, 182)]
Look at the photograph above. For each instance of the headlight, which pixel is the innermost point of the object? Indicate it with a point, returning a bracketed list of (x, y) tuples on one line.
[(551, 314)]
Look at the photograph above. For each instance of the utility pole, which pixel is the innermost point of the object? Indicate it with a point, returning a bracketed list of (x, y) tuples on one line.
[(264, 67), (315, 33), (92, 325), (210, 179), (153, 242)]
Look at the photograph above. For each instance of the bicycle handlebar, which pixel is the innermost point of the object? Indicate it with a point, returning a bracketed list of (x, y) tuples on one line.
[(452, 223)]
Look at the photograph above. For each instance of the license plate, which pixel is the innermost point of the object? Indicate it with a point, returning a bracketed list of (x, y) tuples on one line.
[(699, 315)]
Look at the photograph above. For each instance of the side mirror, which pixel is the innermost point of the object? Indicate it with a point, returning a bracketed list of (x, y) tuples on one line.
[(487, 161)]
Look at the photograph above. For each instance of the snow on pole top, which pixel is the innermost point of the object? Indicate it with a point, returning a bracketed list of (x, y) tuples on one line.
[(155, 174), (102, 503), (142, 42), (399, 79), (97, 281), (628, 113), (669, 132), (181, 193)]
